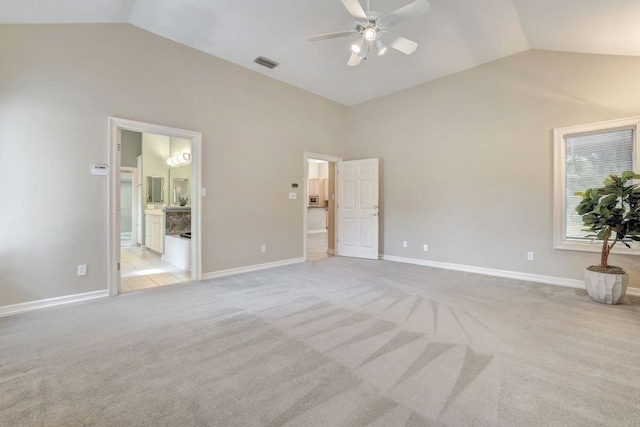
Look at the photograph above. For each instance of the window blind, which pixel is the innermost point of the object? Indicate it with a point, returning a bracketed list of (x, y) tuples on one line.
[(589, 159)]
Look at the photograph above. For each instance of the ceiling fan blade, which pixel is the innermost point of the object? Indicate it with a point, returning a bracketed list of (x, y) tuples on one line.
[(331, 35), (401, 44), (355, 9), (354, 60), (411, 10)]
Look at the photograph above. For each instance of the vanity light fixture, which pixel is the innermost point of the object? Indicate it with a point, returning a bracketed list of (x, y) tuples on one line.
[(179, 160)]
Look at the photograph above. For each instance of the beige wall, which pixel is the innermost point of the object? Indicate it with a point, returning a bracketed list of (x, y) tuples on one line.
[(466, 161), (131, 143), (58, 85)]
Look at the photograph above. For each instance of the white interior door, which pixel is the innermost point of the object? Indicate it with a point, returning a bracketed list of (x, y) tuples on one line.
[(358, 208)]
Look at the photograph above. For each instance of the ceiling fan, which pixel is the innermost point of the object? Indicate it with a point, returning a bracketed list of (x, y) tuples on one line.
[(370, 28)]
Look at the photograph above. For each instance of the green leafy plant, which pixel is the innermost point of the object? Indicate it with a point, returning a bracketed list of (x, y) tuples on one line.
[(182, 201), (612, 214)]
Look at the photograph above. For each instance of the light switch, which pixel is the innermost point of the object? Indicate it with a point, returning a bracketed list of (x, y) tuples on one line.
[(293, 196), (203, 192)]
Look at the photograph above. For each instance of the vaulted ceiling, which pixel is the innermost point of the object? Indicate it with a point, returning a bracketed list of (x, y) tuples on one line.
[(453, 36)]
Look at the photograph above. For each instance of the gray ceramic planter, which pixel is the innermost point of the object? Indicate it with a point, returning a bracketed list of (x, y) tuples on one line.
[(605, 288)]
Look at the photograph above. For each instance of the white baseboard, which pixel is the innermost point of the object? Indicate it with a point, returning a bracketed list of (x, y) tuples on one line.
[(316, 231), (9, 310), (633, 291), (550, 280), (249, 268)]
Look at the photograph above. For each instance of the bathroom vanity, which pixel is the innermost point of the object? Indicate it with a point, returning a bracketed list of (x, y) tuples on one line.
[(154, 229), (177, 247)]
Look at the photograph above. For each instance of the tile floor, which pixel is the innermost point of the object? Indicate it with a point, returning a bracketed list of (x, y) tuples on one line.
[(142, 269), (317, 245)]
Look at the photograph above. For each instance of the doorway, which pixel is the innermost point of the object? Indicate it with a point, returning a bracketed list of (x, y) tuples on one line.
[(150, 253), (319, 205), (128, 206), (353, 216), (161, 255)]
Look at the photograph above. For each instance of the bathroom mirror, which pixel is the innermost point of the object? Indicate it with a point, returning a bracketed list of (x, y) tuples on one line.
[(155, 189), (180, 191)]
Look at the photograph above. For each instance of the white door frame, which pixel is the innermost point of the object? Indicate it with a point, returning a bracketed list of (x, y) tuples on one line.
[(305, 187), (134, 197), (113, 232)]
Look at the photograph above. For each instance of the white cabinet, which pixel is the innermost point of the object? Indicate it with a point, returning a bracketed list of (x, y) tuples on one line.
[(178, 251), (154, 232), (316, 219)]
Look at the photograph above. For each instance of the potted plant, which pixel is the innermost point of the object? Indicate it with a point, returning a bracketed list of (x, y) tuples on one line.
[(182, 201), (611, 214)]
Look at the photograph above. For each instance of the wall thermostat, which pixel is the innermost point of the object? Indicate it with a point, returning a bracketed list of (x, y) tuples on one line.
[(100, 170)]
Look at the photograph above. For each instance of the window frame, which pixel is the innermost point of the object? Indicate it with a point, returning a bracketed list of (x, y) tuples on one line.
[(559, 175)]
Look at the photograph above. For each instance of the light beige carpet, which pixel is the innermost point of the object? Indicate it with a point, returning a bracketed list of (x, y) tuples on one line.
[(337, 342)]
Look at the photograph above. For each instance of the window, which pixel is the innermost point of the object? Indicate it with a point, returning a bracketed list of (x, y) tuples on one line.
[(583, 157)]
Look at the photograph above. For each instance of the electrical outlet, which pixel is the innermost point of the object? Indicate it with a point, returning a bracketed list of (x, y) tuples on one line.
[(529, 256), (264, 247), (82, 270), (404, 243), (425, 247)]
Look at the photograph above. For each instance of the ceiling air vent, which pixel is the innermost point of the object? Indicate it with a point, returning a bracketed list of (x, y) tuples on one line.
[(266, 62)]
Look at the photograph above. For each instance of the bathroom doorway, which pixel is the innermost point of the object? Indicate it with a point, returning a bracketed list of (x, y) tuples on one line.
[(166, 211), (161, 255)]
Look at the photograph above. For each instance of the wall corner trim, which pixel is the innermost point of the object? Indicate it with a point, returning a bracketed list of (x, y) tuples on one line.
[(249, 268), (528, 277), (9, 310)]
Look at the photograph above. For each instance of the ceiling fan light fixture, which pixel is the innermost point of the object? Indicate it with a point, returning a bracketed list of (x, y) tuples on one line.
[(364, 48), (370, 28), (370, 33), (381, 48)]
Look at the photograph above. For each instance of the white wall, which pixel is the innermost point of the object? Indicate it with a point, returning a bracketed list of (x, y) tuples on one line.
[(58, 86), (179, 146), (155, 152), (313, 169), (323, 170), (466, 161)]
